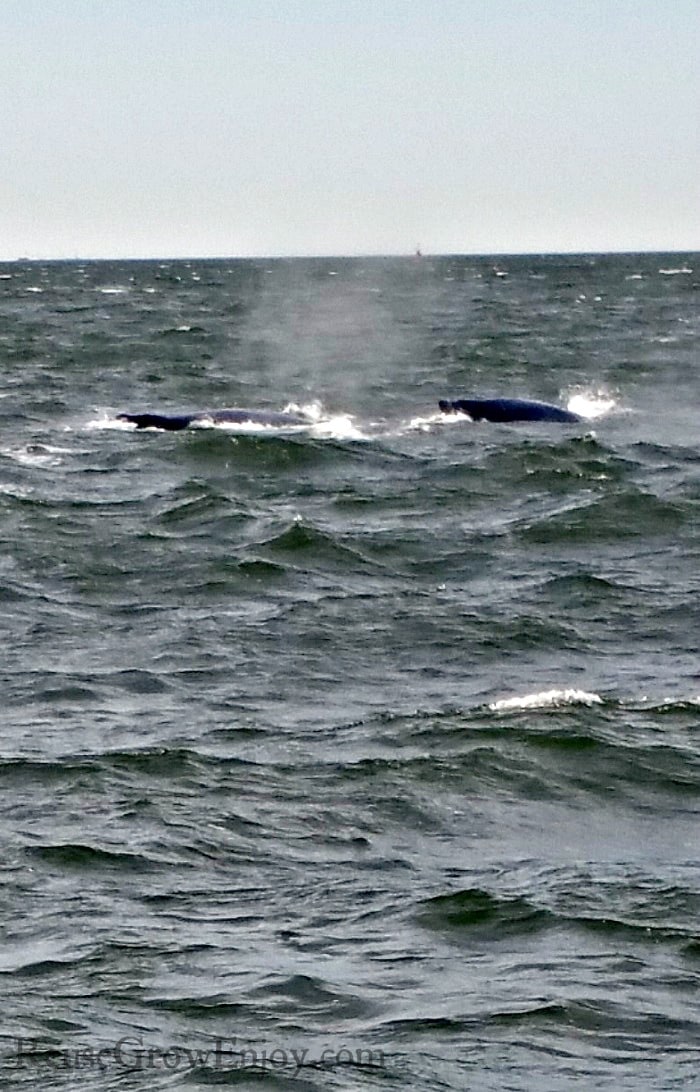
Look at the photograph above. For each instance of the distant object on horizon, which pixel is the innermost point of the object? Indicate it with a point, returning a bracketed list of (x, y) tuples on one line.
[(507, 410), (177, 422)]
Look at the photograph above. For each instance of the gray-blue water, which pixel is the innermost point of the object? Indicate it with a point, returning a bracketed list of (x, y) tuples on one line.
[(362, 755)]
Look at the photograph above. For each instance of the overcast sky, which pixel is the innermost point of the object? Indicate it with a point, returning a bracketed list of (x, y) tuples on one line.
[(139, 128)]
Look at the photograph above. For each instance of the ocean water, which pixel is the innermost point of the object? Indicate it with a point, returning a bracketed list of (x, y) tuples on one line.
[(362, 755)]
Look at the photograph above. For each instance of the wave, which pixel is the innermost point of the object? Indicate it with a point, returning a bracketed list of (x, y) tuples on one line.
[(630, 513), (39, 957), (83, 857), (546, 699), (302, 543), (566, 744), (637, 906)]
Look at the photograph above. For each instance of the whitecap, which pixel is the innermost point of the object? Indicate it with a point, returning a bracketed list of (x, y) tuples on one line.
[(546, 699)]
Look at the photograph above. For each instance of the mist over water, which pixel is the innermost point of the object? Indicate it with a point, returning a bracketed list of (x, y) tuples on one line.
[(363, 753)]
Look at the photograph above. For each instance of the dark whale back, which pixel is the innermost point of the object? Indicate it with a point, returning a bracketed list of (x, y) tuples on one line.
[(157, 420), (176, 422), (507, 409)]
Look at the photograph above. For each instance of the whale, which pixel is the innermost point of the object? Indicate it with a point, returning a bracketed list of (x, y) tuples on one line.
[(237, 416), (507, 410)]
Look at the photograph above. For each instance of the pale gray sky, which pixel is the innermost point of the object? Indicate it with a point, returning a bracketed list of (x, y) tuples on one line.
[(139, 128)]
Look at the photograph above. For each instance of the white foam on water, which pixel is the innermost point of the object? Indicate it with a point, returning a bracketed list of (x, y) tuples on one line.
[(19, 492), (109, 421), (36, 455), (591, 404), (545, 699), (339, 427), (327, 426), (426, 422), (313, 410), (244, 427)]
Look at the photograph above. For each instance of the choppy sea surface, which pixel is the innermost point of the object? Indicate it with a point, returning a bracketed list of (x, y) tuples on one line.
[(361, 755)]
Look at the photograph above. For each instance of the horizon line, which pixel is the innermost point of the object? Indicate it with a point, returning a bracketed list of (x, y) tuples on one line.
[(413, 255)]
